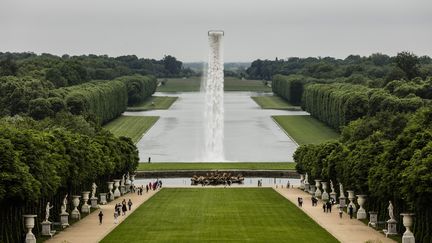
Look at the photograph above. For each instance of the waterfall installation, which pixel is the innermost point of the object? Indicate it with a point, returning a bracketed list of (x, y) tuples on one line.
[(213, 87)]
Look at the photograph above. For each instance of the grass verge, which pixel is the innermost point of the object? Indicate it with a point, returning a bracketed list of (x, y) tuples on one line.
[(274, 102), (306, 129), (154, 103), (217, 166), (218, 215), (131, 126)]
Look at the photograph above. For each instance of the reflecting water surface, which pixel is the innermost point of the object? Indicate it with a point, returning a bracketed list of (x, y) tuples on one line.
[(249, 135)]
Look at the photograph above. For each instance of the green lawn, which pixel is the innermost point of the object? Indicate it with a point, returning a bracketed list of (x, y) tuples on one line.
[(274, 102), (131, 126), (218, 166), (194, 84), (306, 129), (218, 215), (154, 103)]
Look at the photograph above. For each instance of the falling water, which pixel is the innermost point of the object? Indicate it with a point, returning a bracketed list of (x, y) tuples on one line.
[(214, 100)]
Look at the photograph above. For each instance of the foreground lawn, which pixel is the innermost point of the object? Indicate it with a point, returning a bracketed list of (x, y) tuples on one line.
[(218, 166), (154, 103), (306, 129), (194, 84), (131, 126), (218, 215), (274, 102)]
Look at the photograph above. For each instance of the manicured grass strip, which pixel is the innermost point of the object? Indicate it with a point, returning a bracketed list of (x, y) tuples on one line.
[(218, 215), (194, 84), (131, 126), (274, 102), (154, 103), (306, 129), (218, 166)]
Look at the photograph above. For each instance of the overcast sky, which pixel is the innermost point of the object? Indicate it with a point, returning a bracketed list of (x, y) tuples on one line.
[(253, 29)]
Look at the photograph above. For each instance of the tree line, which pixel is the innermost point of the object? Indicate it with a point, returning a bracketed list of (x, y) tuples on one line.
[(386, 156)]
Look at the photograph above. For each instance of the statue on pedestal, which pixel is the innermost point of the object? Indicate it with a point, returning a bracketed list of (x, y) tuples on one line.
[(341, 191), (47, 211), (64, 205), (94, 186), (390, 209), (122, 183), (332, 186)]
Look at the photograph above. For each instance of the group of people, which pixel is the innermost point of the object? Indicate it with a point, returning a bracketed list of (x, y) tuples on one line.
[(300, 201), (260, 183), (327, 207), (121, 209)]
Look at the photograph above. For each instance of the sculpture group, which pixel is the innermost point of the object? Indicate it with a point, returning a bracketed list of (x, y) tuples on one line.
[(391, 229), (217, 178), (125, 187)]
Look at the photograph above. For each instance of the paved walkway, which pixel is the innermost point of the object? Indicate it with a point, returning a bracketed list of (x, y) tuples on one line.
[(345, 229), (88, 229)]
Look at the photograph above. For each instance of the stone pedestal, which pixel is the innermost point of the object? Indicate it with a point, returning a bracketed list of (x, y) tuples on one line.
[(122, 190), (103, 198), (94, 202), (29, 221), (85, 208), (75, 212), (333, 196), (342, 201), (391, 227), (351, 198), (64, 219), (324, 195), (116, 190), (306, 186), (408, 236), (361, 212), (46, 229), (312, 190), (373, 219), (318, 191)]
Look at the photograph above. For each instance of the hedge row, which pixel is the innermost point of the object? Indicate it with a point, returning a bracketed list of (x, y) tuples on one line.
[(387, 157), (291, 87), (139, 87), (337, 104)]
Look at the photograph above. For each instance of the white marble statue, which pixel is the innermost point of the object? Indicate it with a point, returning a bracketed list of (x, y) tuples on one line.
[(306, 180), (94, 186), (332, 186), (341, 191), (122, 182), (390, 209), (127, 178), (47, 211), (64, 205)]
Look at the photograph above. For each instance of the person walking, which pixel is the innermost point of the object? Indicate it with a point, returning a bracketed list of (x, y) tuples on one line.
[(116, 217), (340, 212), (147, 188), (301, 202), (124, 208), (351, 211), (100, 217), (324, 207), (130, 204)]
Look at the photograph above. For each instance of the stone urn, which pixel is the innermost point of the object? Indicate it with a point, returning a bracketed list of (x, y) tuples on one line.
[(408, 236), (342, 200), (302, 186), (116, 190), (324, 195), (75, 214), (29, 222), (85, 208), (351, 198), (110, 192), (318, 185), (361, 212)]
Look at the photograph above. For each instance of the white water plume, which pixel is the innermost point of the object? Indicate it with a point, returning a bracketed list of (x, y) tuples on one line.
[(214, 101)]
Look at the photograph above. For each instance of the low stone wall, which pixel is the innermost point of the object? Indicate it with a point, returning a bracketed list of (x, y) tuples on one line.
[(245, 173)]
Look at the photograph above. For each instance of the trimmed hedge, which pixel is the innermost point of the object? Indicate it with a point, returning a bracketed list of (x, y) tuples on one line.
[(291, 87), (139, 87)]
